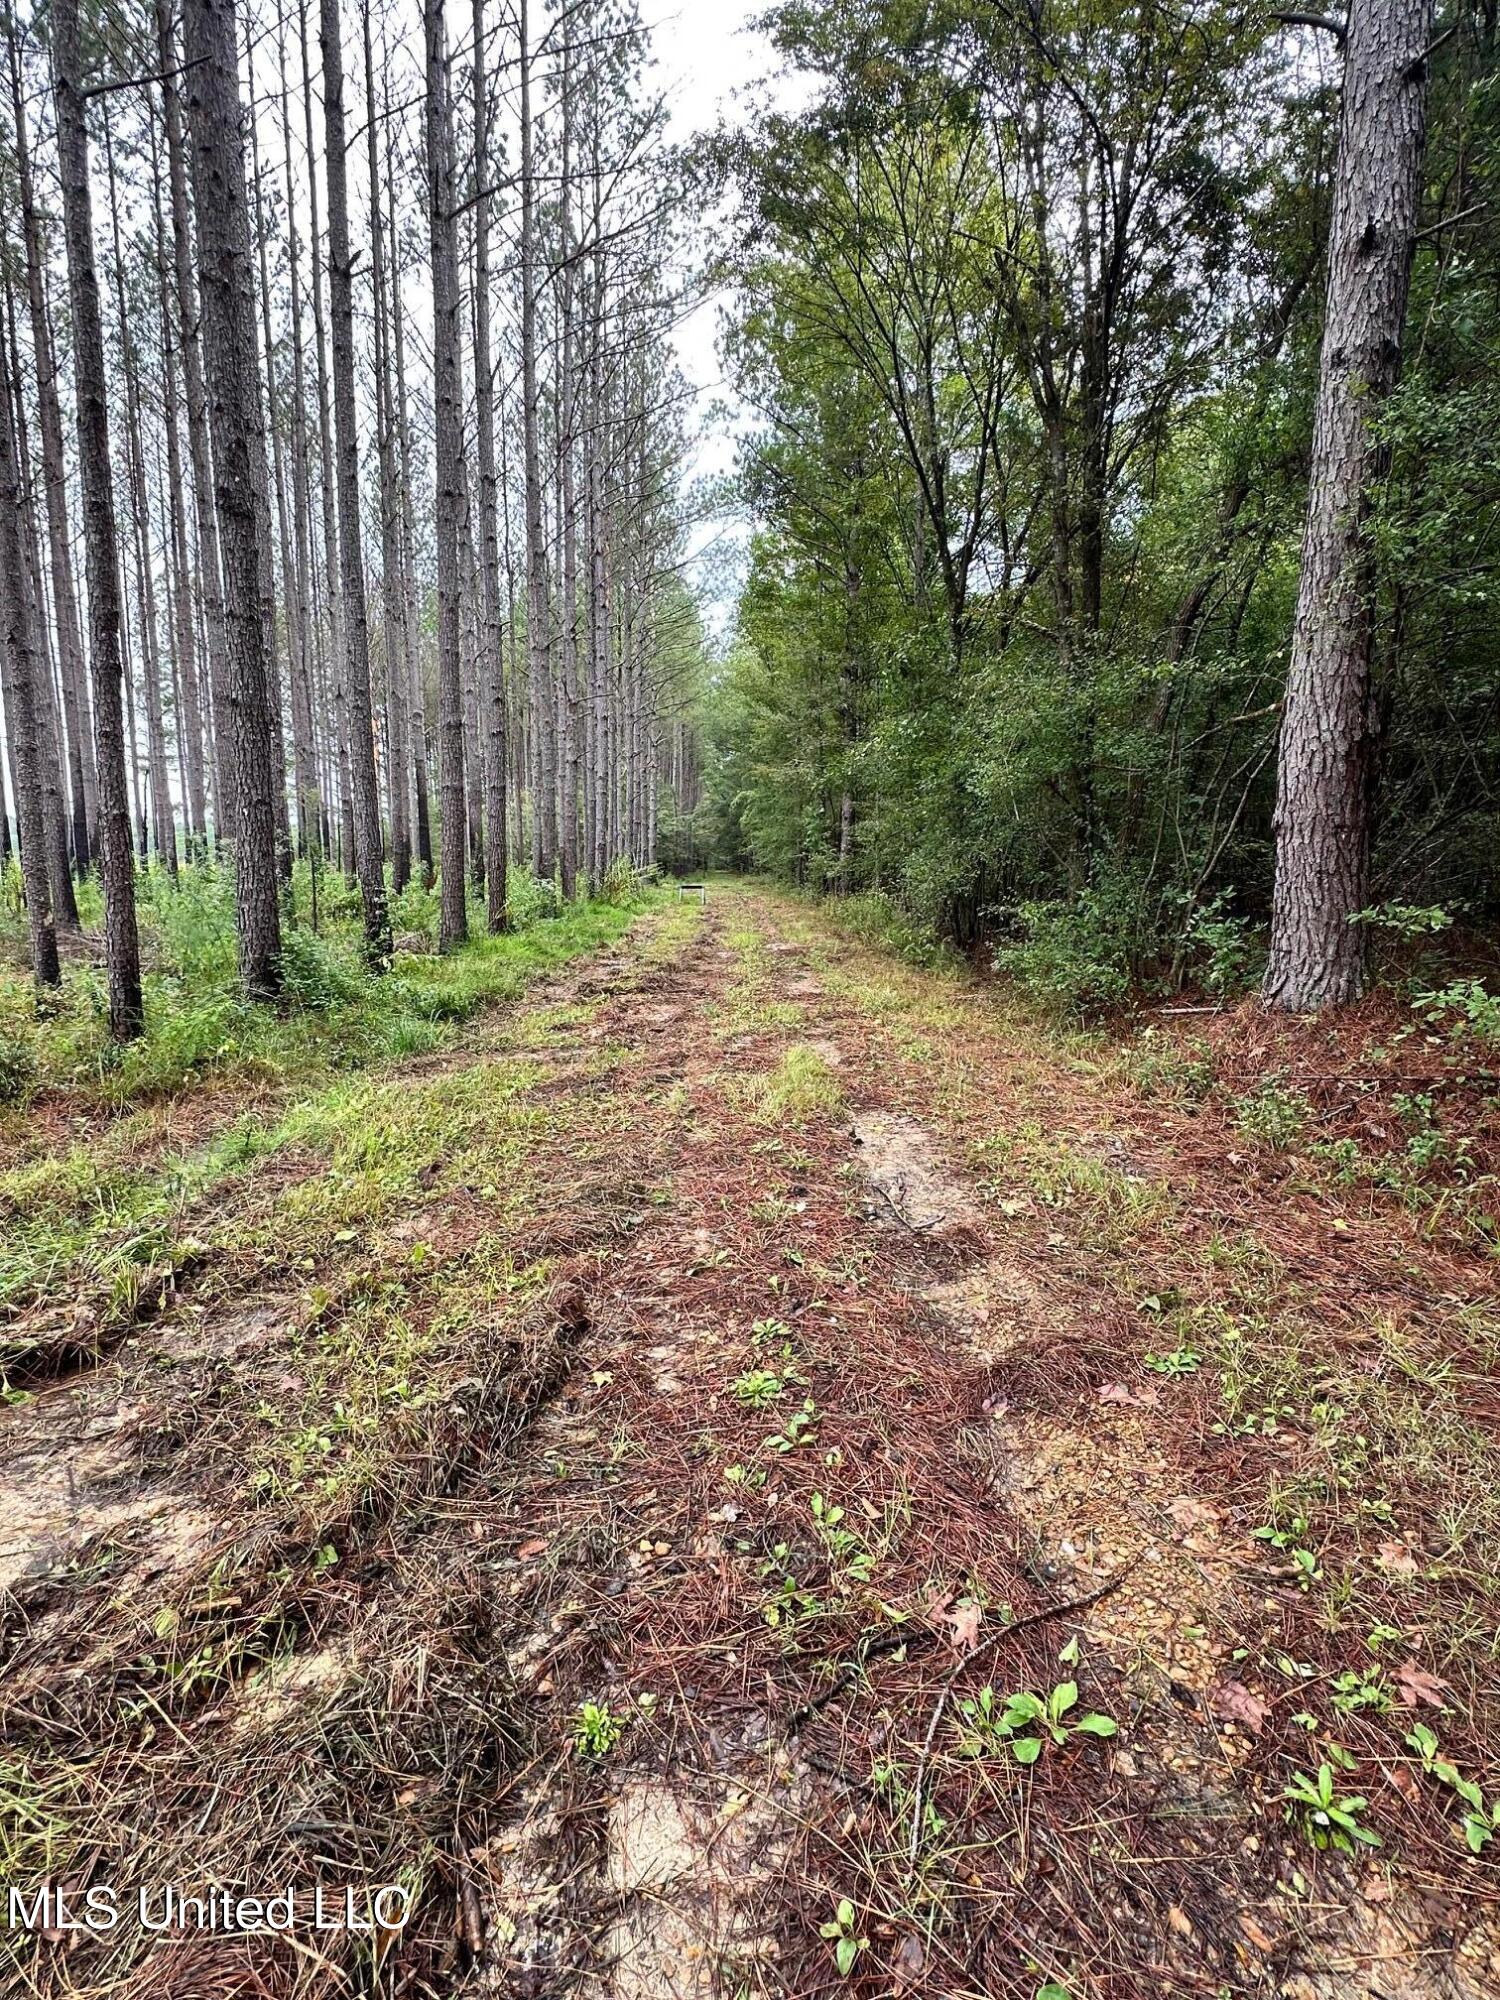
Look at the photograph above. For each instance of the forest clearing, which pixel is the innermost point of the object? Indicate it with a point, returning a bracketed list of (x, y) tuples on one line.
[(749, 1000), (609, 1473)]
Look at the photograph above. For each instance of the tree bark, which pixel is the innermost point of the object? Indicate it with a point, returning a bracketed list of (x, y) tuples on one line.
[(369, 857), (491, 667), (116, 861), (232, 376), (79, 723), (1327, 734), (446, 309), (25, 669), (200, 449)]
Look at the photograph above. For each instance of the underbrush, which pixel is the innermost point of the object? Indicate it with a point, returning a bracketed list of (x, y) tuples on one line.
[(334, 1013)]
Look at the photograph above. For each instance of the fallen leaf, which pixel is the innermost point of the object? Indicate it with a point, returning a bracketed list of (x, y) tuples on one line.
[(1417, 1685), (907, 1963), (961, 1616), (1180, 1921), (1396, 1559), (1260, 1938), (528, 1550), (1232, 1701), (1121, 1392)]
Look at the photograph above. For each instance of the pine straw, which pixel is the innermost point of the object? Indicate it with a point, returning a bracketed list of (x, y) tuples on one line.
[(580, 1549)]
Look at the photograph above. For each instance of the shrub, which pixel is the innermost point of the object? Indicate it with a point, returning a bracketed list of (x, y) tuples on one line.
[(1273, 1114), (528, 900), (1467, 1009), (1229, 952), (1072, 955), (18, 1067), (313, 974)]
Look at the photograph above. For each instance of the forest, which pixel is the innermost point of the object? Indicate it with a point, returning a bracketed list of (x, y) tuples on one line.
[(749, 1011)]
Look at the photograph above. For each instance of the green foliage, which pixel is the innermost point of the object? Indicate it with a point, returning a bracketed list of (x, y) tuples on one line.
[(1024, 1723), (842, 1932), (596, 1729), (1467, 1010), (1327, 1817), (1013, 636), (1274, 1114)]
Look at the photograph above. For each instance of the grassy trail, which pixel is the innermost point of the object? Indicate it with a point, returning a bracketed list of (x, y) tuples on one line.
[(759, 1471)]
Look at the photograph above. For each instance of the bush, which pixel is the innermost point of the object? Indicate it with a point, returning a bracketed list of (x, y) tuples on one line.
[(313, 974), (1074, 956), (1467, 1009), (621, 885), (528, 900), (18, 1067), (1229, 952)]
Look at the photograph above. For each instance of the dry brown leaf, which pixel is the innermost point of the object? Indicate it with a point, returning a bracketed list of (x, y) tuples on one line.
[(528, 1550), (961, 1616), (1261, 1939), (1232, 1701), (907, 1963), (1416, 1685), (1396, 1559), (1121, 1392)]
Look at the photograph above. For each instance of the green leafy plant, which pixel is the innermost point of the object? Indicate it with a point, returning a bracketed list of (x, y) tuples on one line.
[(842, 1933), (757, 1388), (1480, 1823), (1025, 1722), (1329, 1819), (1273, 1114), (1182, 1360), (596, 1729), (800, 1428)]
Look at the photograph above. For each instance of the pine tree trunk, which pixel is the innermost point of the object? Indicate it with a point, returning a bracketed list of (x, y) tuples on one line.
[(81, 766), (190, 703), (393, 602), (369, 857), (162, 825), (116, 862), (446, 309), (544, 788), (1327, 732), (491, 666), (215, 121), (304, 731), (25, 668), (200, 450)]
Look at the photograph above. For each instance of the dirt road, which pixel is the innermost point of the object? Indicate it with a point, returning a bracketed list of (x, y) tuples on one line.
[(611, 1480)]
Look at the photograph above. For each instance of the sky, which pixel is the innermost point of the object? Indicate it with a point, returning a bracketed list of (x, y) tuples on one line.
[(710, 59)]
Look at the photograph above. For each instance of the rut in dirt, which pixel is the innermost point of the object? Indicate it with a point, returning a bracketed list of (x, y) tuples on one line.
[(676, 1601)]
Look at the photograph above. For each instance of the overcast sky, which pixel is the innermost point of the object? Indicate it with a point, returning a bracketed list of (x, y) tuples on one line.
[(709, 59)]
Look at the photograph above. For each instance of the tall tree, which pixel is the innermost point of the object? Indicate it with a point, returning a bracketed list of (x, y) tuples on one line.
[(369, 859), (491, 669), (1327, 732), (215, 121), (25, 670), (101, 552), (447, 306)]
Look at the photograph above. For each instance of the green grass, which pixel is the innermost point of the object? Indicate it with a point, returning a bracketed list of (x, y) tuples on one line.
[(107, 1217), (334, 1015)]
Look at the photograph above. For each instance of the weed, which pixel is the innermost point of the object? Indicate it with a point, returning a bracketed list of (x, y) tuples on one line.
[(596, 1729), (1328, 1819), (1273, 1114), (1182, 1360), (842, 1934), (801, 1087), (757, 1388), (1025, 1722)]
